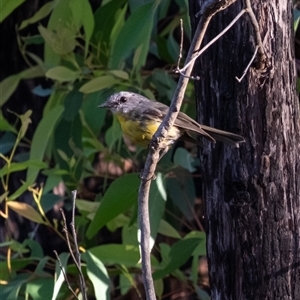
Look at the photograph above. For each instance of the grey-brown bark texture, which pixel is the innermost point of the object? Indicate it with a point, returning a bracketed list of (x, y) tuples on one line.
[(252, 194)]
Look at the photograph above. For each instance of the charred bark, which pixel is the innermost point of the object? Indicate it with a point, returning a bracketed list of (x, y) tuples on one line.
[(252, 194)]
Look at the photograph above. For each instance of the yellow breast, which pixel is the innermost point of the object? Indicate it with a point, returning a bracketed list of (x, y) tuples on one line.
[(141, 132)]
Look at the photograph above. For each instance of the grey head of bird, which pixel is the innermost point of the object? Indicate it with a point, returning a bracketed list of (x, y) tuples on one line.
[(123, 102)]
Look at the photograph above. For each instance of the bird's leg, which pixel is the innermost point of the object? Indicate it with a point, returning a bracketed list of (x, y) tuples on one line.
[(162, 152), (147, 179)]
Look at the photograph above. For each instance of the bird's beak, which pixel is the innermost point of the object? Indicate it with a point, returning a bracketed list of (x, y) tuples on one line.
[(103, 105)]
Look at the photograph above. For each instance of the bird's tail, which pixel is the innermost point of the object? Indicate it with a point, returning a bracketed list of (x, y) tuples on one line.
[(224, 136)]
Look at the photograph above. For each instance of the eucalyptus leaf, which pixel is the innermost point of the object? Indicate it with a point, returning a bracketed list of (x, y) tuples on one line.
[(119, 197), (178, 255), (83, 15), (99, 83), (43, 12), (41, 138), (137, 30), (26, 211), (98, 275), (62, 74), (8, 6)]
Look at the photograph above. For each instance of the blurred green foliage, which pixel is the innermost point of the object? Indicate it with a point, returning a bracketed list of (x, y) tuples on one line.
[(88, 55)]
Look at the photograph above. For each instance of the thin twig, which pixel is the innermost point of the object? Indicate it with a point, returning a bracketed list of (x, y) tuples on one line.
[(157, 142), (181, 44), (76, 259), (262, 58), (248, 66), (65, 230), (214, 39), (65, 275), (77, 252), (177, 70)]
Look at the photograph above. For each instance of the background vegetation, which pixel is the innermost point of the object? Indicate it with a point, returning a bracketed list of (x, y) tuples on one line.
[(75, 53), (55, 140)]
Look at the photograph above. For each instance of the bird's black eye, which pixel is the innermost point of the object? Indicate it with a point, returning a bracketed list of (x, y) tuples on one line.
[(123, 99)]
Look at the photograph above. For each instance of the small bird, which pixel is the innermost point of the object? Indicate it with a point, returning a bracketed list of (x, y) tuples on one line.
[(140, 118)]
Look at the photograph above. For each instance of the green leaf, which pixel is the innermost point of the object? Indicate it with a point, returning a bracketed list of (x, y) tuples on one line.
[(137, 30), (116, 254), (118, 25), (33, 72), (99, 83), (49, 200), (98, 275), (41, 138), (36, 250), (9, 84), (40, 288), (125, 281), (7, 87), (25, 120), (26, 211), (167, 229), (62, 41), (3, 196), (183, 158), (119, 197), (11, 291), (68, 138), (164, 83), (16, 167), (23, 188), (181, 190), (91, 116), (120, 74), (83, 15), (200, 250), (173, 47), (7, 142), (85, 205), (296, 19), (62, 74), (157, 202), (179, 254), (140, 56), (202, 294), (112, 254), (40, 268), (129, 234), (159, 288), (107, 14), (8, 6), (61, 19), (59, 275), (43, 12), (113, 133), (5, 126)]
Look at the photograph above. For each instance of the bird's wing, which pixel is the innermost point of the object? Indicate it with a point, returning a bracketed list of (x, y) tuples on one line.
[(185, 122), (156, 110), (159, 110)]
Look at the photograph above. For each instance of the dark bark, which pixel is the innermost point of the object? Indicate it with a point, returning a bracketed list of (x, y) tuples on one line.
[(252, 194)]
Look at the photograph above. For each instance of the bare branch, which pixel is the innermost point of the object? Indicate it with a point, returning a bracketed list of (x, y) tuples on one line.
[(65, 230), (77, 252), (177, 70), (248, 66), (76, 257), (158, 139), (262, 58), (214, 39), (181, 45), (64, 274)]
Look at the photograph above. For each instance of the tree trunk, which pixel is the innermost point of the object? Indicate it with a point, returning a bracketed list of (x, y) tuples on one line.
[(252, 194)]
